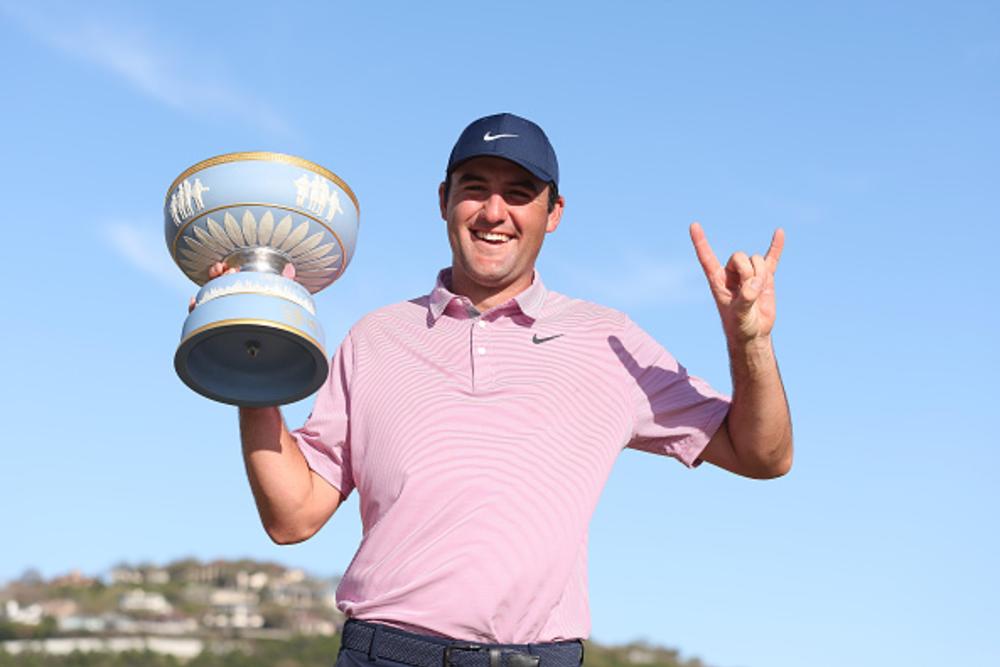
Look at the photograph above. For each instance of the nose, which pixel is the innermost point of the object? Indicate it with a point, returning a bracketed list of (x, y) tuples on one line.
[(495, 208)]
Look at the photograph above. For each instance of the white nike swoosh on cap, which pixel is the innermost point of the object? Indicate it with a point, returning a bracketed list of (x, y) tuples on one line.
[(494, 137)]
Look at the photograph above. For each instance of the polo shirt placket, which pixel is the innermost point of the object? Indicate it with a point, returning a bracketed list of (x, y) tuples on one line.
[(482, 362)]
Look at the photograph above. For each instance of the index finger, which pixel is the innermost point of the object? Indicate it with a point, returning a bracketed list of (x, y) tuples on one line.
[(709, 263), (774, 252)]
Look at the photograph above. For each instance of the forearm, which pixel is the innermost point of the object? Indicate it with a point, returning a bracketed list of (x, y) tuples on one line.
[(759, 422), (279, 476)]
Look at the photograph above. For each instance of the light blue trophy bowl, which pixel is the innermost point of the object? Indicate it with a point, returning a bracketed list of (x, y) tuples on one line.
[(252, 338)]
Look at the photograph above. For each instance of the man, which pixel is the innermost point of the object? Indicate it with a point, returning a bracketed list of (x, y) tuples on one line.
[(480, 422)]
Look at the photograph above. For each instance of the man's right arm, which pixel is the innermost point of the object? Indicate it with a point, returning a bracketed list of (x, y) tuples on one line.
[(293, 501)]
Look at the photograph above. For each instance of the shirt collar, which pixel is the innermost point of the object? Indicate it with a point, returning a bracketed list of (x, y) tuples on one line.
[(529, 302)]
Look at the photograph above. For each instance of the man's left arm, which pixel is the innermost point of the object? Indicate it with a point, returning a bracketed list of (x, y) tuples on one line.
[(755, 440)]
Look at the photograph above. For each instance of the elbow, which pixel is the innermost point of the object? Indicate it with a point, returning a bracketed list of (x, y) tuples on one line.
[(777, 463), (285, 534), (778, 469), (780, 464)]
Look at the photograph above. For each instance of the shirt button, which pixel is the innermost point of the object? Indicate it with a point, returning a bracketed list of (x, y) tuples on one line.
[(482, 324), (481, 351)]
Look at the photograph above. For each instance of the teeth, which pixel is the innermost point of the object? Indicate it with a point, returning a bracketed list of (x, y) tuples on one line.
[(491, 236)]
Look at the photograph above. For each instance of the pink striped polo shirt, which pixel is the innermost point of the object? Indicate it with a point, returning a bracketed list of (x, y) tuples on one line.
[(479, 445)]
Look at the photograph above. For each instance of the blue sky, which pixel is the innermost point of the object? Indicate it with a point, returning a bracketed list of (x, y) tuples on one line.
[(867, 130)]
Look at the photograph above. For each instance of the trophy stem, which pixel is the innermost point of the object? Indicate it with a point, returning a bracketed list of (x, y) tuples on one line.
[(262, 260)]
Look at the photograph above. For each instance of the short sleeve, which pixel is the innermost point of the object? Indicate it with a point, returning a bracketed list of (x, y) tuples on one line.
[(674, 414), (325, 439)]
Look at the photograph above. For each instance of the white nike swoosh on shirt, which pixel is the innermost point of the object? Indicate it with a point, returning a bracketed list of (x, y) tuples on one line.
[(494, 137)]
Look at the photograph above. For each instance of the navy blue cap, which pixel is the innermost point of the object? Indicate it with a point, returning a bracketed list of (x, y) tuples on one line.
[(509, 137)]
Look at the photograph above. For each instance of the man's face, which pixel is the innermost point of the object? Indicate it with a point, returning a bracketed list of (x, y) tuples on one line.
[(497, 215)]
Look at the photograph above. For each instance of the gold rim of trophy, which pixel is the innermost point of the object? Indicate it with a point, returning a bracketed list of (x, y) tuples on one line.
[(265, 156)]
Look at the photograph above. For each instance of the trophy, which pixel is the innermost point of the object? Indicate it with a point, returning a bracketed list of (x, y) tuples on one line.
[(252, 338)]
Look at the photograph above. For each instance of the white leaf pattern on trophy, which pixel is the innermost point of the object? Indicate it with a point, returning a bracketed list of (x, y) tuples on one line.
[(265, 228), (323, 259), (317, 252), (306, 245), (207, 240), (281, 231), (301, 189), (233, 230), (219, 235), (312, 271), (295, 237), (192, 256), (249, 228), (334, 206), (322, 262), (315, 268), (194, 269), (316, 277), (200, 249)]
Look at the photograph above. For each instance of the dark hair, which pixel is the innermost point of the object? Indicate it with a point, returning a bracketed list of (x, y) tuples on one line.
[(553, 191)]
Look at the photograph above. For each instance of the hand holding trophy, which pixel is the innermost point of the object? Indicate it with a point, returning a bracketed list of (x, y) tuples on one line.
[(252, 338)]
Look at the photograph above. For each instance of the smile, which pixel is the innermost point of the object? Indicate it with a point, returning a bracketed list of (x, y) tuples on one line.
[(491, 237)]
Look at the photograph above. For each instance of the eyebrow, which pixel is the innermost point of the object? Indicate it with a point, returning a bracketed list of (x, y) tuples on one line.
[(526, 183)]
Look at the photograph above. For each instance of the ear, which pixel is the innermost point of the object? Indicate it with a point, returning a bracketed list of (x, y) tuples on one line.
[(555, 215), (442, 204)]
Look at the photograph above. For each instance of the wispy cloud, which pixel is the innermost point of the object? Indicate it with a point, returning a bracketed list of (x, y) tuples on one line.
[(143, 248), (159, 72)]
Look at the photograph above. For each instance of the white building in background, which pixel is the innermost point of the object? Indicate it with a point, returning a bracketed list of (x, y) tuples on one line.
[(83, 623), (30, 615), (234, 616), (125, 575), (252, 580), (156, 576), (180, 647), (145, 574), (140, 600)]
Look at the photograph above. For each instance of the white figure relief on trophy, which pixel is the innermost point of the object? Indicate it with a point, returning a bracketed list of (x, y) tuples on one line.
[(186, 200), (319, 194), (334, 206), (175, 213), (197, 190), (186, 206), (301, 189)]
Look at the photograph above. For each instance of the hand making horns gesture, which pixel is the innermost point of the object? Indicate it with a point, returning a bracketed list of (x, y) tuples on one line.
[(743, 289)]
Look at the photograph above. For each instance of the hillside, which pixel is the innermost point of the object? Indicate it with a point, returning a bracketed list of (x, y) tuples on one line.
[(224, 613)]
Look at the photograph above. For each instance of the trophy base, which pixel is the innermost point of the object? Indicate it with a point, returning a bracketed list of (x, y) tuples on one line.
[(251, 364), (272, 357)]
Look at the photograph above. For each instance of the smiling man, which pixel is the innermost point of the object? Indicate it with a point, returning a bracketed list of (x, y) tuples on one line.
[(480, 422)]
